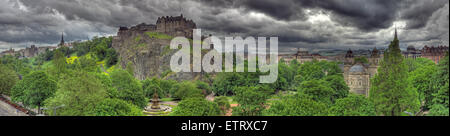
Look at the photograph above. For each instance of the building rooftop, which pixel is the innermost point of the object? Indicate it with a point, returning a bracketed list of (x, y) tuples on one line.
[(357, 68)]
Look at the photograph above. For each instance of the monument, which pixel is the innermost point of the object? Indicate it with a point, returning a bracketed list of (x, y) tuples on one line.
[(155, 101)]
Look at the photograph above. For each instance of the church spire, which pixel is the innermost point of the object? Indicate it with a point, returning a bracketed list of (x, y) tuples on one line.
[(396, 38), (62, 40)]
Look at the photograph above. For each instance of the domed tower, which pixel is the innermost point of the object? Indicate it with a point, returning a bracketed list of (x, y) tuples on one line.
[(358, 80), (411, 49)]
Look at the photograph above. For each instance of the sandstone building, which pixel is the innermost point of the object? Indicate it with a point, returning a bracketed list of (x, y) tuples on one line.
[(434, 53), (357, 75), (302, 56), (412, 52)]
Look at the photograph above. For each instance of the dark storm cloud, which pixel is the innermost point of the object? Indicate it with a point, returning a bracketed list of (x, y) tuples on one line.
[(419, 12), (306, 23), (367, 15)]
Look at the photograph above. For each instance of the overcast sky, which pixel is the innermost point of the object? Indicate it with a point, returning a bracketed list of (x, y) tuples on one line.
[(314, 24)]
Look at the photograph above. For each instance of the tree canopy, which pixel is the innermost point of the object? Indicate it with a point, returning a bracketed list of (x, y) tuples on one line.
[(196, 107), (34, 89), (8, 79), (391, 92), (353, 105)]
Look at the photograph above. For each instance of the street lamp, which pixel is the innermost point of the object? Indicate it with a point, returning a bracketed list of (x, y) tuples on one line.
[(54, 109), (409, 113)]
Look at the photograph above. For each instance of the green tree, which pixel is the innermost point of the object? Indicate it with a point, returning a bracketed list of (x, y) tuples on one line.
[(116, 107), (86, 63), (421, 79), (251, 101), (296, 105), (107, 84), (150, 85), (196, 107), (337, 83), (59, 62), (101, 45), (391, 92), (318, 90), (353, 105), (79, 94), (186, 90), (309, 71), (286, 76), (225, 83), (8, 79), (34, 89), (166, 87), (206, 89), (111, 57), (223, 103), (128, 88), (362, 60), (440, 105), (130, 68)]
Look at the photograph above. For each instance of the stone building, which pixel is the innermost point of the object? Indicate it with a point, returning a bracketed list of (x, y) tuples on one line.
[(412, 52), (173, 26), (434, 53), (30, 51), (302, 56), (9, 52), (358, 79), (357, 75)]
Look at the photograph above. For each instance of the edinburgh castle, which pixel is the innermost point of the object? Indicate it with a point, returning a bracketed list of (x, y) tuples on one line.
[(173, 26)]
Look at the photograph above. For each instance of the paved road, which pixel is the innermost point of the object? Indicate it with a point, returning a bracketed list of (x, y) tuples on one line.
[(4, 112)]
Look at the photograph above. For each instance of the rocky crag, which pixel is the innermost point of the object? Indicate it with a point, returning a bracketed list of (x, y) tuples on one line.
[(147, 47)]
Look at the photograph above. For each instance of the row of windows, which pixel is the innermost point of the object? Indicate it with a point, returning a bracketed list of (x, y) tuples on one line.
[(355, 83)]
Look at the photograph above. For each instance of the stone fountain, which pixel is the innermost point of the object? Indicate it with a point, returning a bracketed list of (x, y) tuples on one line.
[(155, 101), (155, 108)]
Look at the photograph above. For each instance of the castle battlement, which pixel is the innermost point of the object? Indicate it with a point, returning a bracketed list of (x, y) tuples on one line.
[(173, 26)]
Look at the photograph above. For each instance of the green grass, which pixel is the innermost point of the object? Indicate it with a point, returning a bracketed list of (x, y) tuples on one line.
[(137, 39), (166, 50), (73, 54), (141, 45), (231, 100), (47, 64), (158, 35), (166, 99)]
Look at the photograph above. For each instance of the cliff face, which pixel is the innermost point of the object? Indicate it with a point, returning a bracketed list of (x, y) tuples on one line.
[(149, 53)]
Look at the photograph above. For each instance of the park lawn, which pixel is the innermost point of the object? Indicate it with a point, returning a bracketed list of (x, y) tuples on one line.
[(167, 99), (47, 64)]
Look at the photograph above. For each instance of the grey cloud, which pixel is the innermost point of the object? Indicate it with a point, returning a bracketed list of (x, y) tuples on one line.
[(354, 23)]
